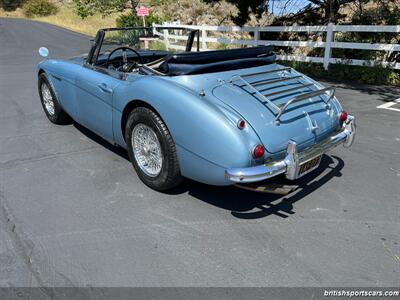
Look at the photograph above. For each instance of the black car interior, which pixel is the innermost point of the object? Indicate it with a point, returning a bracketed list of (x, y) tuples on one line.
[(189, 63), (216, 61), (126, 59)]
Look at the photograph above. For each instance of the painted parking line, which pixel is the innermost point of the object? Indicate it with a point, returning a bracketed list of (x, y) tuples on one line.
[(389, 105)]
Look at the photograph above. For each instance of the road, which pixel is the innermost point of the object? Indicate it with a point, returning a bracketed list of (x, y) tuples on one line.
[(74, 213)]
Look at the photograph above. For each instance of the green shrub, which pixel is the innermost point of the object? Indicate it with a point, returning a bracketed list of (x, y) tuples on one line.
[(10, 5), (131, 20), (39, 8), (370, 75)]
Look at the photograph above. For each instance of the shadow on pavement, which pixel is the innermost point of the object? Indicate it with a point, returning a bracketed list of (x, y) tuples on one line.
[(99, 140), (241, 203), (245, 204), (384, 93)]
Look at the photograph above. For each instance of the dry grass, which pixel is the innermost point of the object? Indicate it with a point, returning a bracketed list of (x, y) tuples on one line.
[(68, 19), (18, 13)]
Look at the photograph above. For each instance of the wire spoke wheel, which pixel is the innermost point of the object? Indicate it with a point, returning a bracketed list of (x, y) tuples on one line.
[(47, 99), (147, 150), (152, 150)]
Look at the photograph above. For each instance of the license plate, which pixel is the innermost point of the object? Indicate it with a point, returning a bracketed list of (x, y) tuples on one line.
[(310, 165)]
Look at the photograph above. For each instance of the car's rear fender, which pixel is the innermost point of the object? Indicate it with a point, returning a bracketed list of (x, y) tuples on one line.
[(197, 126)]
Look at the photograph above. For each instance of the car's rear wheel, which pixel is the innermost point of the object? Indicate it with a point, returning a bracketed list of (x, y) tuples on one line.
[(152, 150), (50, 103)]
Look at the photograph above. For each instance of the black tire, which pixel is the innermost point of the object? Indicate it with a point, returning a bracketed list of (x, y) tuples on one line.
[(59, 116), (169, 176)]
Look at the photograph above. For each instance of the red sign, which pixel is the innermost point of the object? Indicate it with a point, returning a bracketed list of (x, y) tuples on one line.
[(142, 11)]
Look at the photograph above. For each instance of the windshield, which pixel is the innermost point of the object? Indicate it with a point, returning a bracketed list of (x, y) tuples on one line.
[(173, 40)]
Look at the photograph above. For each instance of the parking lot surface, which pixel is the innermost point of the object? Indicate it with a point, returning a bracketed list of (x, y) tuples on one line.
[(74, 213)]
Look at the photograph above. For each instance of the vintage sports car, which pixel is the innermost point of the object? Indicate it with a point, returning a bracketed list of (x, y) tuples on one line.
[(218, 117)]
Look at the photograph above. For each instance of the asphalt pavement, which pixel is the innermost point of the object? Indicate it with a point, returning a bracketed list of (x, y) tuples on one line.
[(74, 213)]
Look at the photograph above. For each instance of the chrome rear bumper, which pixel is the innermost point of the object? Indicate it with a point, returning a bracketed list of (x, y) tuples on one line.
[(290, 165)]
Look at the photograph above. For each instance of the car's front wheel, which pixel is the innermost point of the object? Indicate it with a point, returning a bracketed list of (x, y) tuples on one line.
[(50, 103), (152, 150)]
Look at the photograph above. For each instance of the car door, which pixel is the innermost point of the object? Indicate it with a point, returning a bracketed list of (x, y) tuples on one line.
[(95, 88)]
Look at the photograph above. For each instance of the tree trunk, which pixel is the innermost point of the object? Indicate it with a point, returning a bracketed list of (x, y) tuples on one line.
[(331, 8), (134, 4)]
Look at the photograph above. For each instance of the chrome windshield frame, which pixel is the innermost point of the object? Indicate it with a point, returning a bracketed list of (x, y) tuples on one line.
[(99, 39)]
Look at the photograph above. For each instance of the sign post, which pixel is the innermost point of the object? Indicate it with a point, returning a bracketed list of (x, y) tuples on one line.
[(143, 12)]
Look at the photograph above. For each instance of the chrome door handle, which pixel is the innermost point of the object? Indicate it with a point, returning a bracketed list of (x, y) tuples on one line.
[(104, 88)]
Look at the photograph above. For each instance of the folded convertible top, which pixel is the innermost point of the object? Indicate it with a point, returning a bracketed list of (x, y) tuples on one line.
[(216, 61)]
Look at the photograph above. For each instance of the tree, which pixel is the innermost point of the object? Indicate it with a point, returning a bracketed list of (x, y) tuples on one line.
[(317, 12), (85, 8), (330, 9), (314, 12), (245, 7), (378, 12)]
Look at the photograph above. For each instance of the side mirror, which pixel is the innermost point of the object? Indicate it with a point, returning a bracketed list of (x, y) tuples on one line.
[(43, 52)]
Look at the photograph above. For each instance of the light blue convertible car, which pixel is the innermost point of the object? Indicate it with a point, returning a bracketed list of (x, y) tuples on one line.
[(219, 117)]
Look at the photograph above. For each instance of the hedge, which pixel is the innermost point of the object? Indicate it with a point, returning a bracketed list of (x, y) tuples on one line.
[(362, 74)]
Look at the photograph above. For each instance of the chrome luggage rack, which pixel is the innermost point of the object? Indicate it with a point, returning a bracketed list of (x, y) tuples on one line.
[(266, 98)]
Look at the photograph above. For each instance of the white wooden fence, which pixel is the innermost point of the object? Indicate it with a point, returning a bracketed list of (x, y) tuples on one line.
[(328, 44)]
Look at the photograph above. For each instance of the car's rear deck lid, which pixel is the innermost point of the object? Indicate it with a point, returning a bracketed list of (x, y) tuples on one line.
[(271, 92), (281, 105)]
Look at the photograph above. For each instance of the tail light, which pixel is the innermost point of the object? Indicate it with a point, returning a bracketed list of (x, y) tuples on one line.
[(343, 116), (258, 151)]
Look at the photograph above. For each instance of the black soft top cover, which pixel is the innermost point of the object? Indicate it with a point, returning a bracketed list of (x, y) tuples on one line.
[(216, 61)]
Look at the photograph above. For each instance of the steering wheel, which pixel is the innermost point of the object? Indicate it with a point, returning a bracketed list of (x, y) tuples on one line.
[(126, 66)]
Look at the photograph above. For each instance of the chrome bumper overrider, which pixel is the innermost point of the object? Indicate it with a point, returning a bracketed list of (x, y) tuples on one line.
[(290, 165)]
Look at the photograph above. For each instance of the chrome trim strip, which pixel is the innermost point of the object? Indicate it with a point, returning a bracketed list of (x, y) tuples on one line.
[(289, 90), (274, 80), (290, 165), (266, 72)]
